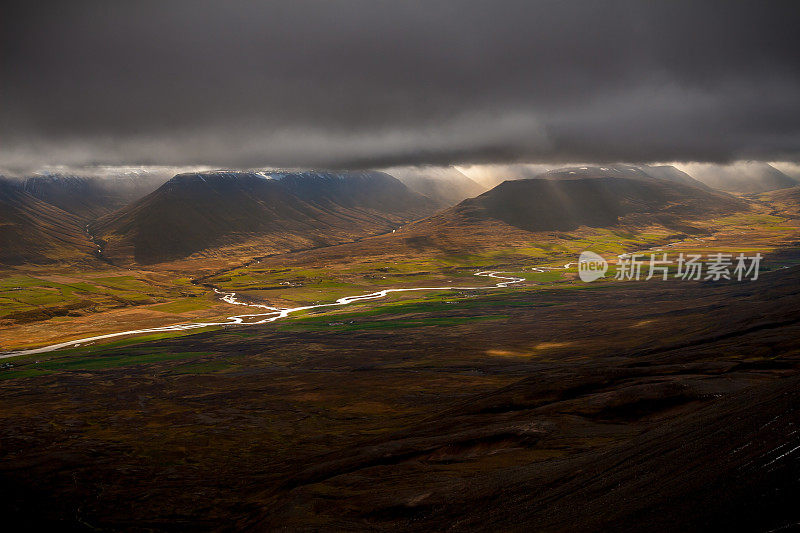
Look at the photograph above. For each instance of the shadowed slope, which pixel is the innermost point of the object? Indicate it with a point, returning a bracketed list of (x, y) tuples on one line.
[(564, 204), (34, 231), (195, 212)]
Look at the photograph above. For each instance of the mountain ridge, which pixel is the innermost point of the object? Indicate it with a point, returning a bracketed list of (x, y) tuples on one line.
[(194, 212)]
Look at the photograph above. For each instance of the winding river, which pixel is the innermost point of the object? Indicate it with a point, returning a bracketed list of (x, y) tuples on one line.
[(269, 314), (272, 314)]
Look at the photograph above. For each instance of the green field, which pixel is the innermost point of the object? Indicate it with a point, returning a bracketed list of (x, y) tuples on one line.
[(27, 298)]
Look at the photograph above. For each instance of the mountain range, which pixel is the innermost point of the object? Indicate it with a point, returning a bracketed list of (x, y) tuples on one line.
[(538, 211), (256, 213)]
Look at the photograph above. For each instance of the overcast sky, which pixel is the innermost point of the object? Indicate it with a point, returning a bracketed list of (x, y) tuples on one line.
[(372, 83)]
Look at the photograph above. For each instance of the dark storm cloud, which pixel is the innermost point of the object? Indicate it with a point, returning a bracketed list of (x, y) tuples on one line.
[(301, 83)]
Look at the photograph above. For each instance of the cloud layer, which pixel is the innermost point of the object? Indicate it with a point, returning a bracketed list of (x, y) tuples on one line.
[(373, 83)]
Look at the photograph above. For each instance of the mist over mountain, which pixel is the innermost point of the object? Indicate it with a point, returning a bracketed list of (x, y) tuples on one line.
[(88, 197), (374, 265), (542, 211), (790, 169), (361, 189), (670, 173), (370, 265), (445, 185), (743, 177), (566, 199), (496, 174), (217, 212)]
